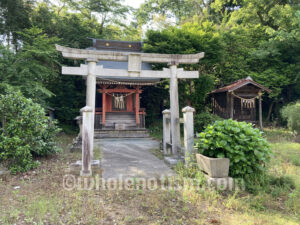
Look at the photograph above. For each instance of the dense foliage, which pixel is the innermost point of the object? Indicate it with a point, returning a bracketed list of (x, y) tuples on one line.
[(203, 119), (239, 38), (31, 68), (244, 145), (25, 132), (259, 38), (291, 113), (191, 38)]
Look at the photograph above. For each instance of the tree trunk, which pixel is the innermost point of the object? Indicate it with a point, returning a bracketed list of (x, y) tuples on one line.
[(3, 121), (270, 111)]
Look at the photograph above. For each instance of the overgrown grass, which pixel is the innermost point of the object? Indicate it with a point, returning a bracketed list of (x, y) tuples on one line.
[(273, 198), (279, 135), (41, 198), (287, 152)]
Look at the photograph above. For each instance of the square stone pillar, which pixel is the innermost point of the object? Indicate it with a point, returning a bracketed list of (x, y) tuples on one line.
[(166, 132), (87, 140), (188, 119), (79, 123)]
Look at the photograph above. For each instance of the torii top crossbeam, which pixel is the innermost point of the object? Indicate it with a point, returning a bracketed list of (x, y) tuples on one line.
[(134, 59), (73, 53)]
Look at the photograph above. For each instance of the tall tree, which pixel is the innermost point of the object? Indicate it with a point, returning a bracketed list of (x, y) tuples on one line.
[(272, 55), (182, 11), (74, 29), (14, 17), (32, 67), (107, 12), (190, 38)]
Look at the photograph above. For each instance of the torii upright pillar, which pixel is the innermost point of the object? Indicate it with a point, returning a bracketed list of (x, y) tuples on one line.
[(174, 108), (88, 131)]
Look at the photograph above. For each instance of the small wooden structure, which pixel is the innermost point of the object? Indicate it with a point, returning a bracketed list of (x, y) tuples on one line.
[(238, 100)]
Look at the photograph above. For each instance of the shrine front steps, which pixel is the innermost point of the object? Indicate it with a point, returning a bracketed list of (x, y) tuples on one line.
[(126, 133)]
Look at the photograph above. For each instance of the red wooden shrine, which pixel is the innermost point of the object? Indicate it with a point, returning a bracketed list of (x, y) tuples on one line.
[(118, 98), (131, 101)]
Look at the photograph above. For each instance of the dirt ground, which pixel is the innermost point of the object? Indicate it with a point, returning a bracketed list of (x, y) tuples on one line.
[(39, 197)]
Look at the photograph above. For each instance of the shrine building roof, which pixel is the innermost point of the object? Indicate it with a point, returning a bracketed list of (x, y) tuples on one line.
[(238, 84), (126, 46)]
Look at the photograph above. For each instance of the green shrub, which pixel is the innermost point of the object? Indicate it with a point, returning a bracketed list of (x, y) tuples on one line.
[(291, 113), (25, 133), (203, 119), (244, 145)]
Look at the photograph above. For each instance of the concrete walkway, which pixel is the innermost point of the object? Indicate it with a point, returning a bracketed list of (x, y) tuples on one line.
[(131, 157)]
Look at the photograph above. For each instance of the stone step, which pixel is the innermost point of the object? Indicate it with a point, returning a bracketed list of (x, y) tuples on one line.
[(131, 133), (119, 121), (120, 117)]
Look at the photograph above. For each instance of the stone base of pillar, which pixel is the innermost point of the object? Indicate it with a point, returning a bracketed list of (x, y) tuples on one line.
[(223, 183), (75, 168), (85, 173), (173, 160), (4, 173)]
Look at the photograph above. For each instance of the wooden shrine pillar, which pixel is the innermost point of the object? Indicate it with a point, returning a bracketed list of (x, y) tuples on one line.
[(260, 110), (137, 106), (103, 105), (231, 105)]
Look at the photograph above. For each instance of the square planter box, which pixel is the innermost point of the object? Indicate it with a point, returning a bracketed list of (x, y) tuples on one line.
[(214, 167)]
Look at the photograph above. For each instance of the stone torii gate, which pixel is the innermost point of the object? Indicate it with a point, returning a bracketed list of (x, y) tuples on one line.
[(134, 59)]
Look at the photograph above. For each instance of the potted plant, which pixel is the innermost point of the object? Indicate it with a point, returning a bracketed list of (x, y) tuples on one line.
[(231, 148), (214, 167)]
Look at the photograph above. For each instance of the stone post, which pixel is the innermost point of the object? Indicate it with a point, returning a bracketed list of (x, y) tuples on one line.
[(77, 144), (174, 106), (87, 140), (166, 131), (188, 119), (79, 122)]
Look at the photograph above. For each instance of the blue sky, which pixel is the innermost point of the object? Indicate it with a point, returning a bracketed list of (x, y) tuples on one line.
[(134, 3)]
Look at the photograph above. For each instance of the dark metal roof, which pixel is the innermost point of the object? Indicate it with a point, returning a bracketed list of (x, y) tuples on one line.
[(240, 83), (115, 45), (121, 65), (131, 46), (127, 82)]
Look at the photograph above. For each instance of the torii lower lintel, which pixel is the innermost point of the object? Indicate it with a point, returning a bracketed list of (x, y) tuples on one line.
[(103, 72)]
